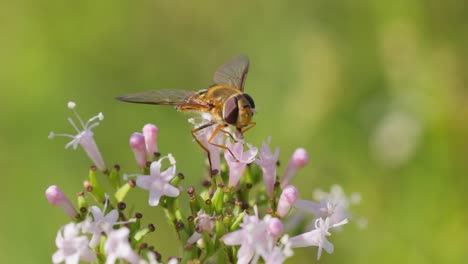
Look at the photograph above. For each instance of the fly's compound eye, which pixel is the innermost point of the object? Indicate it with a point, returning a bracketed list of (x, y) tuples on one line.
[(231, 111), (251, 101)]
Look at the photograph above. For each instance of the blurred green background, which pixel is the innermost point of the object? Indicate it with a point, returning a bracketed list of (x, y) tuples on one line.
[(376, 91)]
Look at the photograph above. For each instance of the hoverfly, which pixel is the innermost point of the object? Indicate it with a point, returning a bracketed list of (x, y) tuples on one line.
[(225, 101)]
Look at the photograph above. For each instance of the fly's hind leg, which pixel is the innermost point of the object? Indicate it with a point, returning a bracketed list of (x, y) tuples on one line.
[(218, 129), (194, 131)]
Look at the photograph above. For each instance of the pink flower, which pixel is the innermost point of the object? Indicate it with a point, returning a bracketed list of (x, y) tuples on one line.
[(237, 167), (299, 159), (71, 247), (137, 144), (287, 199), (150, 133), (84, 137), (317, 237), (158, 183), (268, 163), (55, 196)]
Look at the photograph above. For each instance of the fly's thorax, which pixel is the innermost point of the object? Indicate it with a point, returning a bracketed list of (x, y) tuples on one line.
[(238, 110)]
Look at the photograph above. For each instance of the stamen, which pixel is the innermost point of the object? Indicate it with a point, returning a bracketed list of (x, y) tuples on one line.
[(131, 220), (345, 221), (73, 125), (317, 223), (191, 120), (71, 105), (127, 176), (79, 118), (171, 159), (100, 116), (256, 210), (73, 142), (60, 135), (92, 126), (106, 203)]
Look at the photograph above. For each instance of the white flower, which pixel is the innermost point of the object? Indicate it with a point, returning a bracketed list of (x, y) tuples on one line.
[(254, 238), (396, 138), (317, 237), (101, 223), (158, 183), (333, 205), (337, 196), (324, 209), (71, 247), (84, 137), (278, 254), (118, 247)]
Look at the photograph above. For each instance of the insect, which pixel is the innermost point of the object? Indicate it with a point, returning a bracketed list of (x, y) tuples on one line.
[(225, 102)]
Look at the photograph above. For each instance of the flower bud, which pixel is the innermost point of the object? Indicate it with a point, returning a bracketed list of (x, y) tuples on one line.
[(150, 132), (55, 196), (204, 222), (299, 159), (137, 143), (287, 199), (275, 227)]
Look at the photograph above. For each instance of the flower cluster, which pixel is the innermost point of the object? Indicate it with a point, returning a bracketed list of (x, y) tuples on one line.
[(240, 214)]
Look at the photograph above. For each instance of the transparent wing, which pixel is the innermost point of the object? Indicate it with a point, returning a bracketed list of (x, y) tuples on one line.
[(159, 97), (233, 72)]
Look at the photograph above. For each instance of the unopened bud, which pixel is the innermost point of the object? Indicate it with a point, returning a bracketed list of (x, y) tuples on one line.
[(137, 144), (55, 196), (275, 227), (287, 199), (299, 159), (150, 133)]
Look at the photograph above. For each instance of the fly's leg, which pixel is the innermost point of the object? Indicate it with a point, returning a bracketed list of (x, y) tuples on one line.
[(217, 130), (251, 124), (228, 133), (194, 131)]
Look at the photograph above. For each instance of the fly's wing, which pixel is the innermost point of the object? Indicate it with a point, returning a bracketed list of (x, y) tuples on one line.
[(233, 72), (160, 97)]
